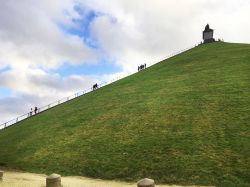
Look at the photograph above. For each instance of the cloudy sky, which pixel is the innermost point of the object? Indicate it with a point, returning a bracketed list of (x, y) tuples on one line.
[(52, 49)]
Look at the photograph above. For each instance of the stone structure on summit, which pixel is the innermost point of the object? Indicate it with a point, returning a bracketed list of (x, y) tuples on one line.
[(208, 35)]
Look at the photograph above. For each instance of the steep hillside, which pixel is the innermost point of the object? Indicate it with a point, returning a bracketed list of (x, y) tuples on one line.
[(185, 121)]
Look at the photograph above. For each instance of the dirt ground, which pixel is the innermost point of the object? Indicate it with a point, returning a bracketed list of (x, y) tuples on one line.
[(19, 179)]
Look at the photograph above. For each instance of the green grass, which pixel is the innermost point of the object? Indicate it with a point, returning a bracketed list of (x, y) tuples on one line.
[(183, 121)]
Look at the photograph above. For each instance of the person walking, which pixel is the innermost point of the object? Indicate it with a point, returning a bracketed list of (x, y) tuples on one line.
[(31, 111), (35, 110)]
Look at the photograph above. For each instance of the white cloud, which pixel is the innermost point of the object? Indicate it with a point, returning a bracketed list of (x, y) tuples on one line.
[(147, 30), (30, 35), (34, 87), (43, 84)]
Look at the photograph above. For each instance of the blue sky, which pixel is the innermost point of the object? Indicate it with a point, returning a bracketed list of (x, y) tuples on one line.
[(83, 26), (104, 64), (4, 69), (97, 69), (4, 92)]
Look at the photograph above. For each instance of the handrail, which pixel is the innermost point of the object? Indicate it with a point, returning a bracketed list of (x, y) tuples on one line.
[(81, 93)]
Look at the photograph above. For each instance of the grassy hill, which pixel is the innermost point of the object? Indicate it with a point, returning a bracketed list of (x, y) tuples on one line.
[(185, 121)]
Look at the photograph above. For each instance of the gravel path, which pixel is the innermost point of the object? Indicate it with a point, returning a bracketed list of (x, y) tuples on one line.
[(19, 179)]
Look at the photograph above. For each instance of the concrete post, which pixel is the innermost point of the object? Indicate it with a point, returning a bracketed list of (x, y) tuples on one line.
[(146, 183), (1, 175), (53, 180)]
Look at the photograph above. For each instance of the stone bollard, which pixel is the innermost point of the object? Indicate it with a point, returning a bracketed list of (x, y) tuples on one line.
[(53, 180), (146, 183), (1, 175)]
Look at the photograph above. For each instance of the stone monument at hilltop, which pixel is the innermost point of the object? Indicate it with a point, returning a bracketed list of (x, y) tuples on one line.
[(208, 35)]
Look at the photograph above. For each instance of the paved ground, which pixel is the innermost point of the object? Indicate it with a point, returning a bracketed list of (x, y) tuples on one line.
[(19, 179)]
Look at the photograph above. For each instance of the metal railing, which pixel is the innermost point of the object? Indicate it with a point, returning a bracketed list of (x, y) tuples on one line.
[(81, 93)]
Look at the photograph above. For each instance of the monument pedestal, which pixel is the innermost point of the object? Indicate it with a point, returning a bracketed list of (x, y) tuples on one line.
[(208, 35)]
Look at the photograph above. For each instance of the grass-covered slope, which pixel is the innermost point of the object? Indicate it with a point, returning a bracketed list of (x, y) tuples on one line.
[(185, 120)]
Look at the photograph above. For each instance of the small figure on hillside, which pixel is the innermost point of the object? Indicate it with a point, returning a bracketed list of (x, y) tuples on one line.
[(95, 86), (36, 109), (31, 111), (142, 67)]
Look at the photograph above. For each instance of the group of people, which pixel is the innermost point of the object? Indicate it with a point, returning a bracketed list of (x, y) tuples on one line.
[(35, 111), (142, 67)]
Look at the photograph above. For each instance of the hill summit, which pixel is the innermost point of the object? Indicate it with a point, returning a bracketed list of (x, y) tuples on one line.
[(184, 121)]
